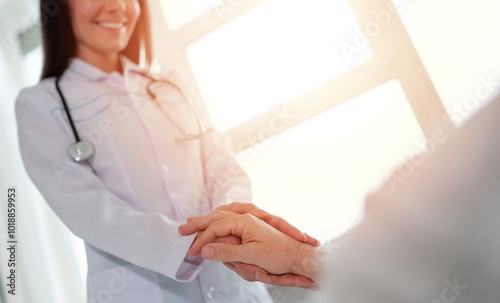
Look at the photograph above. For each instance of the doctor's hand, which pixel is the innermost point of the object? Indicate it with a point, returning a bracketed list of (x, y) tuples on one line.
[(285, 260)]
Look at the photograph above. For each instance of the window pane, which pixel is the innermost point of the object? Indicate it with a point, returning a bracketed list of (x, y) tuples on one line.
[(459, 46), (272, 53), (180, 12), (32, 66), (317, 174)]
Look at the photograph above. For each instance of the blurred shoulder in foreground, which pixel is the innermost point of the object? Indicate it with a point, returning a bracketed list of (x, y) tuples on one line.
[(434, 237)]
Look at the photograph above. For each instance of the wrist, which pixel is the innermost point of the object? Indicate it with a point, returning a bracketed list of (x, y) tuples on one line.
[(305, 260)]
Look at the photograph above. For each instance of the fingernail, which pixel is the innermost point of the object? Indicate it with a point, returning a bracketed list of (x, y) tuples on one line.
[(305, 238), (258, 276), (262, 277), (208, 252), (315, 288)]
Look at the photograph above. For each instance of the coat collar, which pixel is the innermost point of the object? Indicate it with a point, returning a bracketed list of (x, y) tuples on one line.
[(86, 71)]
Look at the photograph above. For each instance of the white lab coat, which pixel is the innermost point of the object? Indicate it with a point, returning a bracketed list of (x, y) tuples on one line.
[(127, 201)]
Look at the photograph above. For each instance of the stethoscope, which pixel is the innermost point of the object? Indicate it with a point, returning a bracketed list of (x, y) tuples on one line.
[(82, 150)]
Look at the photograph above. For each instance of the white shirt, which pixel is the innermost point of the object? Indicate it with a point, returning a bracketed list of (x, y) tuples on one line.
[(127, 201)]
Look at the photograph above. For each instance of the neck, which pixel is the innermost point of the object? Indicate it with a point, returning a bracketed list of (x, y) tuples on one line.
[(106, 62)]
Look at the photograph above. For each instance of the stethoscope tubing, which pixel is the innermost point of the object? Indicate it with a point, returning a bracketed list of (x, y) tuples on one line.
[(65, 104)]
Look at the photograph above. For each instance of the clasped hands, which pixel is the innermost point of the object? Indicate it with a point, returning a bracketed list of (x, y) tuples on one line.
[(256, 245)]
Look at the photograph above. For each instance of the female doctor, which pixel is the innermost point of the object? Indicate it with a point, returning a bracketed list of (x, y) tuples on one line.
[(124, 157)]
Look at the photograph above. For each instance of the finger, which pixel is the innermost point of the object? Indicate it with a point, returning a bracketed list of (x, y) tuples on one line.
[(201, 241), (312, 241), (314, 288), (231, 226), (201, 223), (275, 221), (232, 240), (198, 235), (285, 227), (253, 272), (230, 266), (238, 208), (240, 273), (291, 280), (263, 277), (280, 224), (222, 252)]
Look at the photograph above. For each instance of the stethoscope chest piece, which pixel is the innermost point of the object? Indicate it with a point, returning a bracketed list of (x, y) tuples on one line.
[(81, 150)]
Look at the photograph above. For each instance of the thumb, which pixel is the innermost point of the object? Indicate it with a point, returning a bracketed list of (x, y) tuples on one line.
[(221, 252)]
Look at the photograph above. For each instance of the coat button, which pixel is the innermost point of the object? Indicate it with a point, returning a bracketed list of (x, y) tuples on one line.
[(210, 292)]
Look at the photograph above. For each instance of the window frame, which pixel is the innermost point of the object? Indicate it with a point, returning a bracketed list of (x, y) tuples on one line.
[(400, 62)]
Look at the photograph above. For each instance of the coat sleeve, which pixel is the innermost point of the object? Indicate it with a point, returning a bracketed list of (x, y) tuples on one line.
[(88, 209), (225, 180)]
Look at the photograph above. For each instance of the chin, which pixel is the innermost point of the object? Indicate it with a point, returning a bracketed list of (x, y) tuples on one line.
[(114, 49)]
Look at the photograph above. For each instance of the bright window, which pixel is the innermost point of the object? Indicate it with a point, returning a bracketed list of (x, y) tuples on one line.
[(317, 174), (362, 114), (459, 46), (180, 12), (259, 60)]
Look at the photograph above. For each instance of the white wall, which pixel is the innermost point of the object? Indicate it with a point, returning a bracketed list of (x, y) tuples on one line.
[(46, 269)]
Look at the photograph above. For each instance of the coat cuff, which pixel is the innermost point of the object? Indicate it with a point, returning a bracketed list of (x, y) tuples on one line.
[(179, 265)]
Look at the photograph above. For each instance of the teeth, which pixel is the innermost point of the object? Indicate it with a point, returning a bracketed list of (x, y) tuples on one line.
[(112, 25)]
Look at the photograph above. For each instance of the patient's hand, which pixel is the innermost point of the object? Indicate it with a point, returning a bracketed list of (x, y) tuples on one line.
[(279, 259), (254, 273)]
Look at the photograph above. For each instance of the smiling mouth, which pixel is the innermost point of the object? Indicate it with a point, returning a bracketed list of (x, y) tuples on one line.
[(112, 25)]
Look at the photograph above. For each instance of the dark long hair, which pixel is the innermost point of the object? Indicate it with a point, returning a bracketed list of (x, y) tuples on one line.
[(59, 42)]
